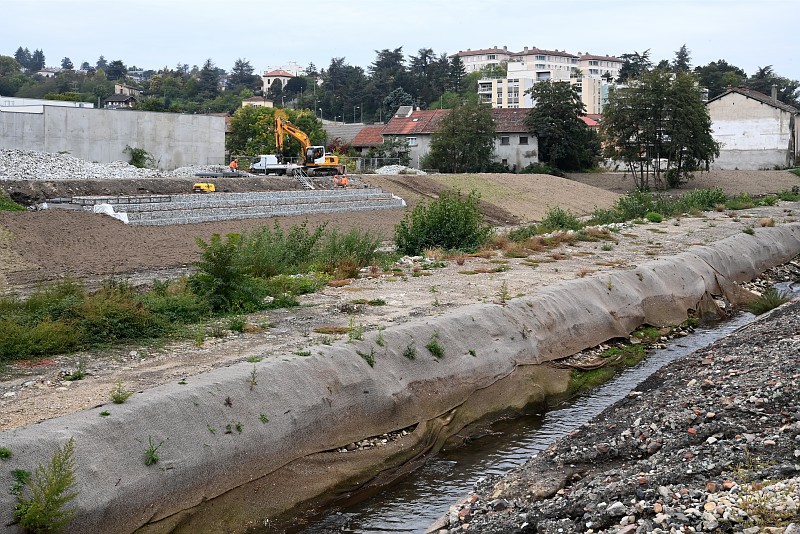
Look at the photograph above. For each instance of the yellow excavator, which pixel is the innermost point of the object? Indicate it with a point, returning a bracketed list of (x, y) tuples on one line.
[(314, 159)]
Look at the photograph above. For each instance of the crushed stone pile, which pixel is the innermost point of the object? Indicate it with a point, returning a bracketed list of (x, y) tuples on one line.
[(710, 443), (45, 166), (398, 169)]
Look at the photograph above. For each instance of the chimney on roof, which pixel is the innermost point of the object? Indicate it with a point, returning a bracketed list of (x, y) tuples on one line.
[(525, 49), (505, 47), (774, 94)]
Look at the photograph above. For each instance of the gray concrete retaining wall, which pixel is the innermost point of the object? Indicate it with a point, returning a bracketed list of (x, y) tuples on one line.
[(174, 139), (334, 397)]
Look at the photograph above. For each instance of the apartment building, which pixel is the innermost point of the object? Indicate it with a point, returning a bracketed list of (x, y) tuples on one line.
[(591, 75), (488, 57), (606, 67)]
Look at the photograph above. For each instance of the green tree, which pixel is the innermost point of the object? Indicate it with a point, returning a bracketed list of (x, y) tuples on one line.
[(275, 91), (660, 128), (765, 77), (457, 74), (634, 65), (66, 64), (464, 141), (393, 147), (23, 57), (242, 77), (101, 63), (37, 60), (394, 100), (116, 70), (9, 66), (555, 120), (682, 61), (718, 75), (208, 81)]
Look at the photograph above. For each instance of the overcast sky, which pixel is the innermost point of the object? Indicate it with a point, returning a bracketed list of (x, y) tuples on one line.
[(157, 33)]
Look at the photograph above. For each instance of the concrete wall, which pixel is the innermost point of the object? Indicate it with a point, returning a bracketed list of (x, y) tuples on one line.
[(174, 140), (754, 135)]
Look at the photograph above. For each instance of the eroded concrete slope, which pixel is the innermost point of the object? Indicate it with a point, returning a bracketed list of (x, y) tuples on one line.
[(302, 406)]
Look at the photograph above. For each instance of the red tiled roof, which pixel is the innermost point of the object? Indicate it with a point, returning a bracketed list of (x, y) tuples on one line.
[(535, 51), (601, 58), (483, 51), (420, 122), (510, 120), (369, 136), (428, 121), (279, 73), (590, 122)]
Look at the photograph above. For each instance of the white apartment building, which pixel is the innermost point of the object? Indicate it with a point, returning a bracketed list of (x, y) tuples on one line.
[(488, 57), (592, 66), (589, 73)]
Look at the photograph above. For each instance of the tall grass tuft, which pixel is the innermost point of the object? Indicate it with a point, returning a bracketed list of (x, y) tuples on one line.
[(769, 299)]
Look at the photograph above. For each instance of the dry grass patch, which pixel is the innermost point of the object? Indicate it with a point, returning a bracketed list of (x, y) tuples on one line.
[(332, 330), (580, 273), (766, 222), (340, 283)]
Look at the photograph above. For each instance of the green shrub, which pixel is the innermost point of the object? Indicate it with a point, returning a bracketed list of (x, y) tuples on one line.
[(541, 168), (604, 216), (770, 299), (174, 302), (634, 205), (344, 254), (6, 204), (139, 157), (558, 218), (653, 217), (701, 199), (47, 337), (55, 301), (451, 222), (114, 313), (299, 284), (742, 202), (269, 252), (51, 489), (223, 279), (791, 196)]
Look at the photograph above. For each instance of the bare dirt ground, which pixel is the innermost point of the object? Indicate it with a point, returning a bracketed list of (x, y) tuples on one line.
[(48, 245)]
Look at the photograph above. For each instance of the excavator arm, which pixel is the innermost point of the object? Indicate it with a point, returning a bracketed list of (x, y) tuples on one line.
[(284, 127)]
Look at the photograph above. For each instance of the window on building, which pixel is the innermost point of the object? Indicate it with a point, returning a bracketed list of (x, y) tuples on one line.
[(412, 141), (523, 139), (505, 140), (491, 56)]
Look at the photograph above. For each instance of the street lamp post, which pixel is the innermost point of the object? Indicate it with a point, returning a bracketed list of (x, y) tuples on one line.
[(354, 114), (320, 112)]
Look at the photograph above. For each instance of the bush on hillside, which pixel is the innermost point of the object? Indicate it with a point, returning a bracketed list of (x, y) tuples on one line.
[(451, 222)]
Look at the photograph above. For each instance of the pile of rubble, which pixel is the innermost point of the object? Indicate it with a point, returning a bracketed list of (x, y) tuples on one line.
[(398, 169), (31, 165)]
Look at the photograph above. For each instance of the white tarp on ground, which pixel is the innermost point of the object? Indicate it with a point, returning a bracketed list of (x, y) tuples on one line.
[(108, 209)]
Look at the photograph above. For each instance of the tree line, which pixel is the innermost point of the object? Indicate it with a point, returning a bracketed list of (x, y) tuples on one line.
[(656, 115)]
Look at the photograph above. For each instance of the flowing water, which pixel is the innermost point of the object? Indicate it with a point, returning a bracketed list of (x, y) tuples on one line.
[(413, 503)]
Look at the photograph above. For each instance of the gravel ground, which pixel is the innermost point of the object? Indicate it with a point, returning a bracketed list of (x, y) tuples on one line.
[(710, 443)]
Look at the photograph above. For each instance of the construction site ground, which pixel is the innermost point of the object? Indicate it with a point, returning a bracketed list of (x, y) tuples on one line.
[(52, 244)]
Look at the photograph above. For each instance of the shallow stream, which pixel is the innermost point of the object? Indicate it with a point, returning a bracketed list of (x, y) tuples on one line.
[(415, 502)]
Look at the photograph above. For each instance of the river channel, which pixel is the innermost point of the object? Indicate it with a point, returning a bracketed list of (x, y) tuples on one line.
[(413, 503)]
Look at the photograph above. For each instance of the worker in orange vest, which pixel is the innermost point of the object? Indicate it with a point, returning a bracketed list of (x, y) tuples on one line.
[(234, 165)]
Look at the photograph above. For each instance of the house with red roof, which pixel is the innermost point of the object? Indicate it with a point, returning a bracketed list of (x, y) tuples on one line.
[(515, 147), (268, 78)]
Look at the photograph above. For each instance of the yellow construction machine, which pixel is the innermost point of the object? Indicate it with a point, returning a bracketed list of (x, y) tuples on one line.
[(314, 159)]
